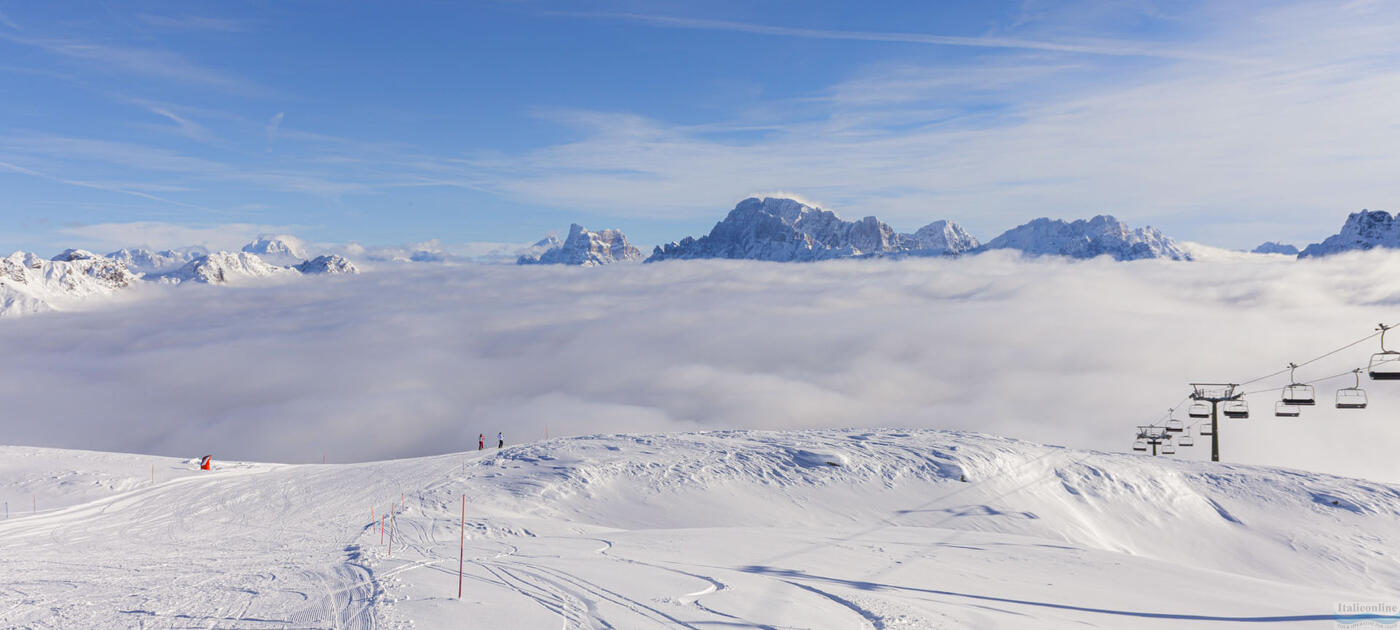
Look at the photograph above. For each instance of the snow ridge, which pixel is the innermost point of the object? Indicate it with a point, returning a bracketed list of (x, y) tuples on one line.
[(30, 284), (1102, 235)]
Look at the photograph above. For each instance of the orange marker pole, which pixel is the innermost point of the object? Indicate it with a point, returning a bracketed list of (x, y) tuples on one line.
[(462, 547), (381, 529)]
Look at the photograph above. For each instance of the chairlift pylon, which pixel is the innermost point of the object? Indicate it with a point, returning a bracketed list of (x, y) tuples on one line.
[(1299, 394), (1385, 365), (1352, 397)]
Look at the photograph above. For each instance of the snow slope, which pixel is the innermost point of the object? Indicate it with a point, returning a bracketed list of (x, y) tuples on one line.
[(807, 529)]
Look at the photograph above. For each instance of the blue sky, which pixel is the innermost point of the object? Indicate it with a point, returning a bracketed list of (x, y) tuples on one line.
[(176, 123)]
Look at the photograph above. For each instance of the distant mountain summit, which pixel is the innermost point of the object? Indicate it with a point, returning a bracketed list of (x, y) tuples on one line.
[(278, 248), (1272, 247), (1102, 235), (329, 264), (1367, 229), (582, 247), (779, 229), (142, 260)]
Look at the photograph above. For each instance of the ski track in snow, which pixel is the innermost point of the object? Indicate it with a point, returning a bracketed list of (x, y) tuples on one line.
[(804, 529)]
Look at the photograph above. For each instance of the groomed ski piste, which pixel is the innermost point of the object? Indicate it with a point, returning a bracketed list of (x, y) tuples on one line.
[(857, 528)]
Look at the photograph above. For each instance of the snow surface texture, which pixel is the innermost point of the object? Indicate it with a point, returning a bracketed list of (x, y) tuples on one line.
[(1048, 349), (585, 248), (1272, 247), (860, 528), (29, 284), (1100, 236), (786, 230), (1362, 231)]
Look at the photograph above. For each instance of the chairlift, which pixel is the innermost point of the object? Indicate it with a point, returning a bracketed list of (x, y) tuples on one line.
[(1185, 439), (1352, 397), (1140, 445), (1175, 426), (1206, 429), (1199, 409), (1385, 365), (1235, 409), (1284, 410), (1167, 448), (1300, 394)]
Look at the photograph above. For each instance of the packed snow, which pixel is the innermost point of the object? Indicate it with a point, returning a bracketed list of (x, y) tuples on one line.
[(854, 528)]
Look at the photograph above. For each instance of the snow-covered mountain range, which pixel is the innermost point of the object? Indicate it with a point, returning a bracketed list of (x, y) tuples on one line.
[(1363, 230), (30, 284), (582, 247), (278, 248), (786, 230), (1099, 236)]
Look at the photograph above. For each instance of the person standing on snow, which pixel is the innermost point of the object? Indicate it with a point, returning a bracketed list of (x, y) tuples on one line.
[(500, 440), (481, 441)]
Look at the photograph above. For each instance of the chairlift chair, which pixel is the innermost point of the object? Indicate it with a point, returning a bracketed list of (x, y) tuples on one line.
[(1140, 445), (1352, 397), (1385, 365), (1167, 448), (1206, 429), (1175, 426), (1235, 409), (1296, 393), (1283, 409), (1199, 409), (1185, 439)]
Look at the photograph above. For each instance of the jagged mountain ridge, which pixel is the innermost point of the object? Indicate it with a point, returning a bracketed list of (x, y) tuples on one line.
[(30, 284), (786, 230), (144, 260), (582, 247), (1364, 230), (1099, 236)]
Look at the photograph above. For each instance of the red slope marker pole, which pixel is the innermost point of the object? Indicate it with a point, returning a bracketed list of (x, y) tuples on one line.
[(462, 547), (381, 528)]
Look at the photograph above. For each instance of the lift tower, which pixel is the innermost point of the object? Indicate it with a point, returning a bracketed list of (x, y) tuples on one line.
[(1215, 393)]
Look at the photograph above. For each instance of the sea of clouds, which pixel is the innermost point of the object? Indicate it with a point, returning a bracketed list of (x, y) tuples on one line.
[(408, 360)]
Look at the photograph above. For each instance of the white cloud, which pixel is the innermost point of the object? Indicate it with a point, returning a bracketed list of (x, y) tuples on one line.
[(415, 359)]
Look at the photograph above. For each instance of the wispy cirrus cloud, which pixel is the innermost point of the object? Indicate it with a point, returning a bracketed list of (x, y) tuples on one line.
[(154, 63), (1095, 46)]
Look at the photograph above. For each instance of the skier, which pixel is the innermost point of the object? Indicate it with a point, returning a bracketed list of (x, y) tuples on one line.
[(480, 441), (500, 440)]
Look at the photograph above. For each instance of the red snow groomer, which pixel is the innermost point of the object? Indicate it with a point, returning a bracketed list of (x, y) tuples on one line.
[(205, 462)]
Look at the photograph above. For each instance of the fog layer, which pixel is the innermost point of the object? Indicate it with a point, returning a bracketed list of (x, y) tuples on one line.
[(419, 359)]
